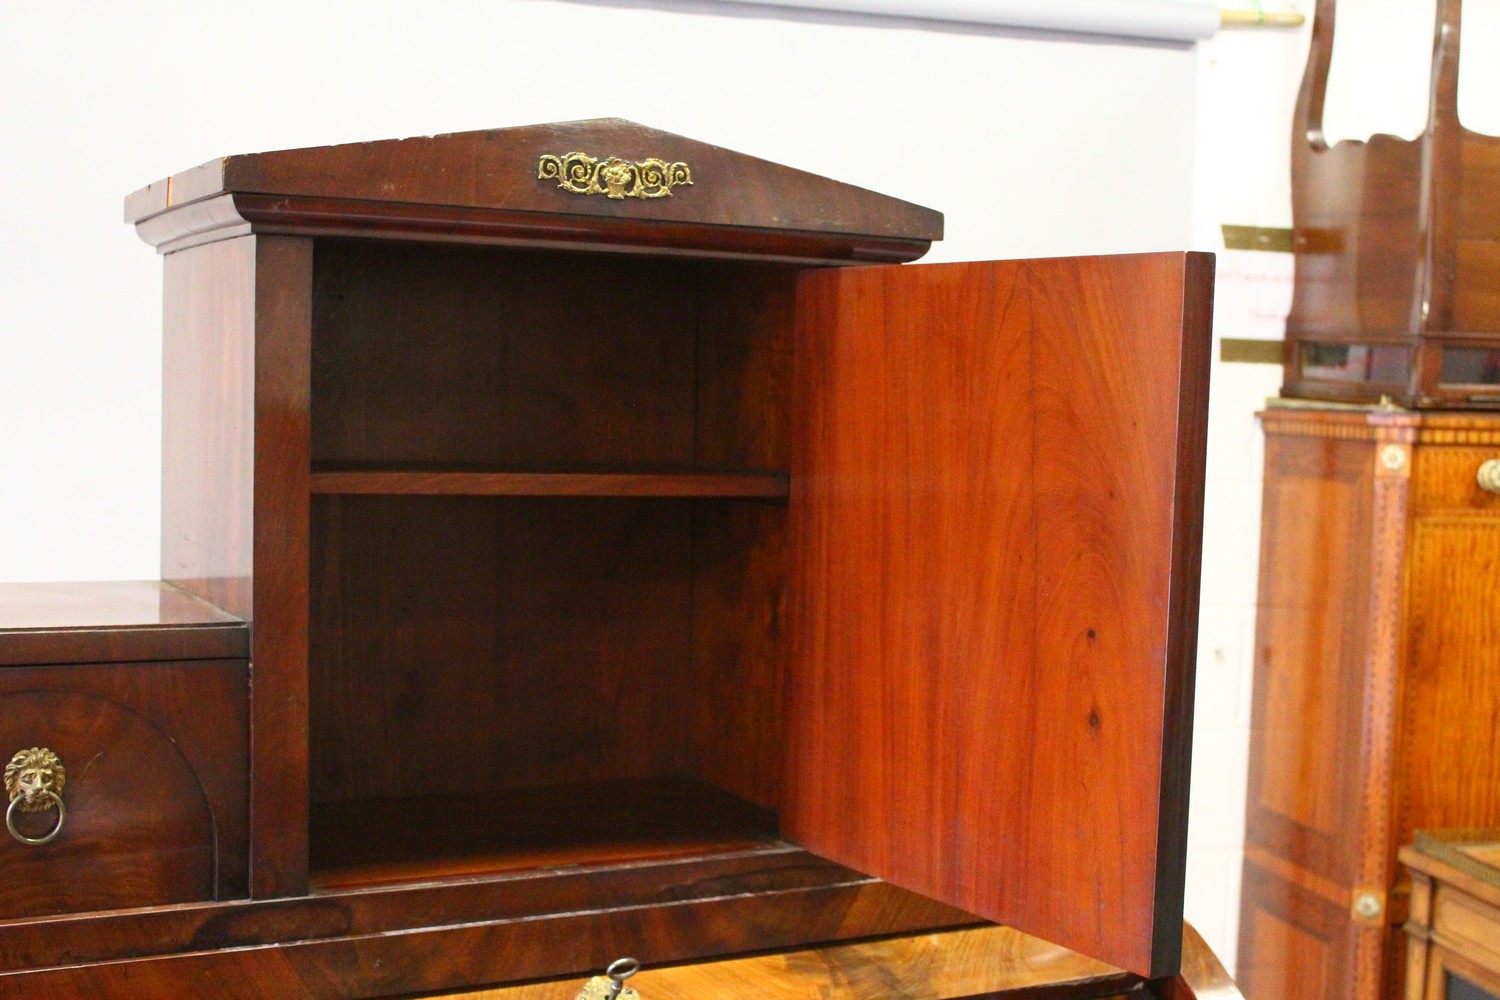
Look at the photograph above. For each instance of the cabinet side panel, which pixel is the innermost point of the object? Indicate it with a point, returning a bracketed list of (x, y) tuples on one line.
[(208, 423), (1311, 648), (510, 359), (466, 645), (1294, 944), (736, 720), (1304, 814), (990, 557), (278, 632), (742, 386), (736, 723)]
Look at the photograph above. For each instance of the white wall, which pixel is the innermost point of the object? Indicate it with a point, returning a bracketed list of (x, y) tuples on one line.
[(1247, 93), (1247, 90), (1031, 144)]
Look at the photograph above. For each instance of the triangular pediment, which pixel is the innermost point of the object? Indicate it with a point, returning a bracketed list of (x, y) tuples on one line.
[(600, 169)]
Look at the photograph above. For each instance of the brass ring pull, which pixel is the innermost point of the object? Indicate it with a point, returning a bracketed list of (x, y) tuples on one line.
[(1489, 476), (34, 780), (55, 801)]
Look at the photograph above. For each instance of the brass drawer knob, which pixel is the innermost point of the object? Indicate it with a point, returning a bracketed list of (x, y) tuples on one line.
[(611, 985), (1367, 906), (34, 781), (1489, 476)]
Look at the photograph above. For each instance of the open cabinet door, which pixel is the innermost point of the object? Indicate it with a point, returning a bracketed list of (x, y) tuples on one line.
[(996, 514)]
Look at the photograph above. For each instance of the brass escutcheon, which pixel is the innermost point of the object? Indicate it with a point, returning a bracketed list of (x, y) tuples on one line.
[(34, 781), (613, 177)]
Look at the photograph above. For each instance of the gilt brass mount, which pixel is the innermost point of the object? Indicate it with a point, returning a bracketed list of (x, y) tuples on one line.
[(613, 177), (34, 781)]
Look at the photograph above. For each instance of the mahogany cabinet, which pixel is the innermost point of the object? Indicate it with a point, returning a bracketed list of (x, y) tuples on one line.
[(627, 573), (1377, 684)]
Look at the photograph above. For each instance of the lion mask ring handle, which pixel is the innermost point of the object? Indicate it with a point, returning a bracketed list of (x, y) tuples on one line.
[(34, 781)]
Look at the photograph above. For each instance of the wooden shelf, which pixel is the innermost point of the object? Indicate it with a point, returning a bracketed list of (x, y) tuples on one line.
[(615, 482), (451, 836)]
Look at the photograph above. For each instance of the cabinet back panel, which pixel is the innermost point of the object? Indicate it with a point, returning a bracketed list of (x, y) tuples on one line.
[(736, 731), (461, 355), (463, 645), (489, 357), (744, 365)]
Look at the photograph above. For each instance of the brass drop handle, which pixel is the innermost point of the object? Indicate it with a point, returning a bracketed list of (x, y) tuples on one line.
[(1489, 476), (611, 985), (34, 782)]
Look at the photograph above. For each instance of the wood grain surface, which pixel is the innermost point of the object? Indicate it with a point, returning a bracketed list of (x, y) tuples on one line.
[(977, 963), (373, 910), (155, 785), (437, 936), (970, 963), (125, 621), (230, 216), (208, 422), (443, 836), (501, 358), (1311, 650), (235, 468), (281, 555), (992, 616), (1316, 787), (498, 168), (472, 644)]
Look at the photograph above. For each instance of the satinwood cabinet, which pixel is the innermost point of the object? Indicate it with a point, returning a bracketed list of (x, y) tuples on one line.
[(1377, 684), (636, 560)]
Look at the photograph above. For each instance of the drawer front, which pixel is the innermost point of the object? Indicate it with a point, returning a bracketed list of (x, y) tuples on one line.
[(1449, 478), (149, 807)]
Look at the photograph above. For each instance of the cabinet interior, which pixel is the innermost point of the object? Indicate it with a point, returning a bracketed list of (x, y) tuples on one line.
[(548, 558)]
